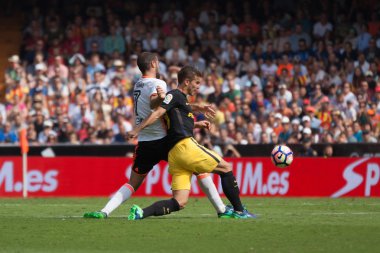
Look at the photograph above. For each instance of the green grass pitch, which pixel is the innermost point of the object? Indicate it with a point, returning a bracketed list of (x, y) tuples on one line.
[(284, 225)]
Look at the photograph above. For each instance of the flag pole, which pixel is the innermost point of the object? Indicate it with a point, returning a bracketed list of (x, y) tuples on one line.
[(24, 152), (24, 175)]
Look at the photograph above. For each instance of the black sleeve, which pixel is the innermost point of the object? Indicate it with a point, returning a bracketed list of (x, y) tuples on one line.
[(171, 100)]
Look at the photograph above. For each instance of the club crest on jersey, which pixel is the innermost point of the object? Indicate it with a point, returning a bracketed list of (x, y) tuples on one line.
[(168, 98)]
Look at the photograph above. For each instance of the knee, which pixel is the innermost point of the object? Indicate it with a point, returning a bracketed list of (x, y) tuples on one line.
[(134, 185), (202, 176), (182, 202), (228, 168), (224, 167), (136, 180)]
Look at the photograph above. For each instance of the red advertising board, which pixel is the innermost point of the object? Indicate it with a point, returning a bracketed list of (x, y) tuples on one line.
[(87, 176)]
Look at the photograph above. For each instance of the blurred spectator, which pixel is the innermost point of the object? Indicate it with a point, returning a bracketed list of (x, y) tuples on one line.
[(114, 42), (230, 151), (229, 26), (363, 38), (286, 132), (47, 135), (328, 151), (94, 39), (133, 72), (150, 42), (94, 66), (7, 135), (175, 55), (15, 72), (297, 35), (368, 137), (307, 150), (322, 27)]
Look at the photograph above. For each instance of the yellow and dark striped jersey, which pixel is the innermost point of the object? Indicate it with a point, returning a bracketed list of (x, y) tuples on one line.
[(179, 117)]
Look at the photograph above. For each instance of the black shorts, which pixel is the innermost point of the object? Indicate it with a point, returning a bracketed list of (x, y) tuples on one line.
[(149, 153)]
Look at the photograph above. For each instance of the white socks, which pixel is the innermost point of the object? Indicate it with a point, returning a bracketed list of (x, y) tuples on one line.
[(118, 198), (209, 188)]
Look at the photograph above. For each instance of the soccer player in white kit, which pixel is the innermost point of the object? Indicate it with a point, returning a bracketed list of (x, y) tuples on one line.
[(148, 93)]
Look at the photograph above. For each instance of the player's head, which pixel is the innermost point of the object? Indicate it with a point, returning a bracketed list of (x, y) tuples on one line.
[(147, 61), (189, 79)]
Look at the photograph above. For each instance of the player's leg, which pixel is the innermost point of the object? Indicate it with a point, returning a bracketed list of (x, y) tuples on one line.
[(208, 187), (162, 207), (231, 189), (204, 160), (229, 184), (145, 158), (124, 193), (181, 190), (193, 157)]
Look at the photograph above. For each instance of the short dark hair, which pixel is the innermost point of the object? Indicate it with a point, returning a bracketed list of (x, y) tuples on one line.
[(188, 72), (144, 60)]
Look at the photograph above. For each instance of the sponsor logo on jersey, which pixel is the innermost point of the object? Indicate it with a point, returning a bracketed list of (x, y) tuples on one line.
[(168, 98)]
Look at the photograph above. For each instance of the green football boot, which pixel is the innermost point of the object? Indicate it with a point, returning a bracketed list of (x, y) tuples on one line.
[(227, 213), (95, 215), (243, 215), (136, 213)]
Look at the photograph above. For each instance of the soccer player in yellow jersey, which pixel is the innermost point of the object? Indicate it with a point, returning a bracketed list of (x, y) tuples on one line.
[(186, 156)]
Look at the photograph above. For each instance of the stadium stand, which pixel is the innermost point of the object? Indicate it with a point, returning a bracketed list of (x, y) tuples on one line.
[(278, 71)]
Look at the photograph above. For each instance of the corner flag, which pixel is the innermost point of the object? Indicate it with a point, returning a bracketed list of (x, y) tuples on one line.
[(24, 151)]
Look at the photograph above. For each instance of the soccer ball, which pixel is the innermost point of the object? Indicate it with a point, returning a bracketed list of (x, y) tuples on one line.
[(282, 156)]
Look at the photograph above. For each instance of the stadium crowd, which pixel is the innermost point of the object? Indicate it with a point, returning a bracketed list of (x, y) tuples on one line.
[(277, 71)]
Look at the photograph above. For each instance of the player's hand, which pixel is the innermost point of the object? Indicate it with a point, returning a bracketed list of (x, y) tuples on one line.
[(132, 134), (209, 111), (160, 92), (204, 124)]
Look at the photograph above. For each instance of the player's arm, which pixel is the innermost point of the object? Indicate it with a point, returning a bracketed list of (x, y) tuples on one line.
[(203, 124), (207, 109), (169, 102), (153, 117), (157, 98)]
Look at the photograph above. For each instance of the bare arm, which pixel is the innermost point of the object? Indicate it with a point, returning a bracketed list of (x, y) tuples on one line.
[(157, 98), (196, 107), (202, 124), (155, 101), (153, 117), (208, 110)]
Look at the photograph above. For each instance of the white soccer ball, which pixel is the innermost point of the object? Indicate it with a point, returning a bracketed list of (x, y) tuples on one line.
[(282, 156)]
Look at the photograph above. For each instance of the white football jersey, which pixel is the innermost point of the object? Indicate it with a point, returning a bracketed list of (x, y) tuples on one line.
[(143, 90)]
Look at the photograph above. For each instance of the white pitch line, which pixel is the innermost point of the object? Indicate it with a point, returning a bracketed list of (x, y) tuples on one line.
[(75, 216), (345, 213), (111, 217), (41, 204)]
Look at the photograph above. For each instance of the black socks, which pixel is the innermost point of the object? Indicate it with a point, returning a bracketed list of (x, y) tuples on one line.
[(231, 190), (162, 207)]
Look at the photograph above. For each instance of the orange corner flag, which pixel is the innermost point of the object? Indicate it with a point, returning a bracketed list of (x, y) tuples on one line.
[(24, 141)]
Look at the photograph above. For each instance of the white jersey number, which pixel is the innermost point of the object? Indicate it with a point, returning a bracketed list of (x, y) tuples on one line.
[(136, 95)]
